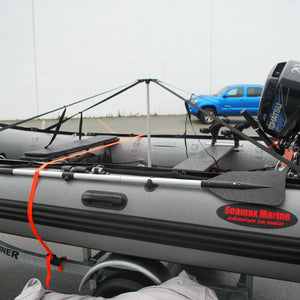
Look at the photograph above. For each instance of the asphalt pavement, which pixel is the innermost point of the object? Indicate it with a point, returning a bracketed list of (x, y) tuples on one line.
[(168, 124), (14, 275)]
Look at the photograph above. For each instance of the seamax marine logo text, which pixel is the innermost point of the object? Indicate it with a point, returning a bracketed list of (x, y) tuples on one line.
[(257, 216)]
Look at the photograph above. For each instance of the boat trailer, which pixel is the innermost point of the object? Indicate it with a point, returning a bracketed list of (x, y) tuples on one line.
[(99, 265)]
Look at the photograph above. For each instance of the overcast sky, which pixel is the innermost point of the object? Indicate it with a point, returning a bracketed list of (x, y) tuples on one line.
[(83, 47)]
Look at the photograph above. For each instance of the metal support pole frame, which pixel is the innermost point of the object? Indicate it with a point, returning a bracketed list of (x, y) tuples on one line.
[(148, 124)]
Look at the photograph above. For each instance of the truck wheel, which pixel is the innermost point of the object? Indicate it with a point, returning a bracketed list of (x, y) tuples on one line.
[(206, 119)]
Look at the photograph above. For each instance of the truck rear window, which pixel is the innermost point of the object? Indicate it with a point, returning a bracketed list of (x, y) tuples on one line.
[(254, 92)]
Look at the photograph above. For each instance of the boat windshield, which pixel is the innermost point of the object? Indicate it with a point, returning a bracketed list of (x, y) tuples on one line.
[(221, 91)]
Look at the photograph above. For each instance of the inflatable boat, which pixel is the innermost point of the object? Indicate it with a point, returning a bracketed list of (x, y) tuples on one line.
[(218, 200)]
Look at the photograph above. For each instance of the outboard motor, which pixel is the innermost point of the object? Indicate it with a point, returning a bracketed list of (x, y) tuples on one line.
[(279, 110)]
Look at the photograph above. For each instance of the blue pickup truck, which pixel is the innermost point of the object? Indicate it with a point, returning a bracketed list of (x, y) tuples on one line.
[(229, 101)]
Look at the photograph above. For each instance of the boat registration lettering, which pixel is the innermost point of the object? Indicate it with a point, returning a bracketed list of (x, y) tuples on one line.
[(9, 252), (257, 216)]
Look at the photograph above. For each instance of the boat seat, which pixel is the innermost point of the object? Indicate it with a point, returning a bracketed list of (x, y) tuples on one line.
[(205, 159), (65, 149)]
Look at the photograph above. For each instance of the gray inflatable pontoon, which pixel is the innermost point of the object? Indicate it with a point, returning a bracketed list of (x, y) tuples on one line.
[(222, 203)]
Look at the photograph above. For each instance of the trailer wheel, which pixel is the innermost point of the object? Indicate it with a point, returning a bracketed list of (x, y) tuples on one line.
[(122, 282)]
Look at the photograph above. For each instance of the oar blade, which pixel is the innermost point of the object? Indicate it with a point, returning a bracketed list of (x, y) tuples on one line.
[(270, 187)]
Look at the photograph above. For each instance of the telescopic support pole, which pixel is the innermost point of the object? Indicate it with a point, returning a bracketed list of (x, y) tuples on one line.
[(148, 124)]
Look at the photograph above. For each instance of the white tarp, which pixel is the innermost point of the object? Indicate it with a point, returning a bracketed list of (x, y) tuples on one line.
[(181, 287)]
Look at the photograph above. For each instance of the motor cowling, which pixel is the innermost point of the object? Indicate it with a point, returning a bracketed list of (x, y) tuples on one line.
[(279, 110)]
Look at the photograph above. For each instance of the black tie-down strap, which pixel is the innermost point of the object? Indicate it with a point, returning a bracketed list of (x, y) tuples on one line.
[(60, 121)]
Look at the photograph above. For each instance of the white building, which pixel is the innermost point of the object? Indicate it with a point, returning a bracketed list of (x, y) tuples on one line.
[(54, 52)]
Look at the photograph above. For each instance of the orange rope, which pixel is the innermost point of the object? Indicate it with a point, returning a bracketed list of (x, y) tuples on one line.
[(32, 194)]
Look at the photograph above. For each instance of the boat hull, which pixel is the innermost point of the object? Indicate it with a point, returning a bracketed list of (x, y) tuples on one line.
[(171, 223)]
